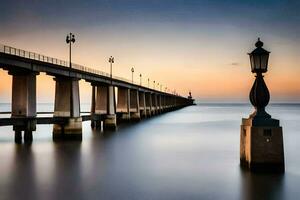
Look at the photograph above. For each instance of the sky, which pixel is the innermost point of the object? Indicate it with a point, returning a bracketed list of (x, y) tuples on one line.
[(197, 45)]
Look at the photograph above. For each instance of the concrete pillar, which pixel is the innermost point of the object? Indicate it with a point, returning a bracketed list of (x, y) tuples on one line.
[(159, 105), (134, 105), (24, 104), (110, 121), (148, 98), (100, 106), (102, 96), (142, 102), (123, 105), (93, 107), (164, 103), (168, 103), (154, 104), (67, 109)]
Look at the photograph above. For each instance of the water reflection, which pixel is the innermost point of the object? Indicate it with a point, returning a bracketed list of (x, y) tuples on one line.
[(261, 185), (165, 157), (22, 174), (67, 176)]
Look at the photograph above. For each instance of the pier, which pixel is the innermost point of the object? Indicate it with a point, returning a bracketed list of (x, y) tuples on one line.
[(134, 101)]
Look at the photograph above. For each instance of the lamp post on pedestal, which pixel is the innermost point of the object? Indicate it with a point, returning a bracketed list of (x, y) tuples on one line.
[(261, 140)]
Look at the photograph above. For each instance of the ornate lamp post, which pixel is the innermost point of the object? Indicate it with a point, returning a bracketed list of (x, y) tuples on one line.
[(132, 71), (111, 60), (69, 40), (259, 94), (261, 140)]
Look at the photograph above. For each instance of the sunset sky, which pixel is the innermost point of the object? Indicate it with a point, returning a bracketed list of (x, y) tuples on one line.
[(197, 45)]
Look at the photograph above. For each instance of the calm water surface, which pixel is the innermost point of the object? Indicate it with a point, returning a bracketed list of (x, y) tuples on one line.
[(192, 153)]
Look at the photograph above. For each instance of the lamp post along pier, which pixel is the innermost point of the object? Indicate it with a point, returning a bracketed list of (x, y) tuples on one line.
[(261, 138), (69, 40), (140, 79), (111, 60), (132, 71)]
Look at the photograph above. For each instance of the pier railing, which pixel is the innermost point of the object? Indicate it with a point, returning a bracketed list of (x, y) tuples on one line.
[(39, 57)]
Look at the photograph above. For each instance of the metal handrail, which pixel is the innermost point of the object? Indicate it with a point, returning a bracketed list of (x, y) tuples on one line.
[(39, 57)]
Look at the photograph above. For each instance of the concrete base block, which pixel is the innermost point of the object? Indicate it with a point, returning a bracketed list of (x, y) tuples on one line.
[(18, 137), (72, 130), (135, 116), (143, 113), (28, 136), (110, 122), (148, 113), (96, 121), (125, 117), (28, 126), (261, 147), (153, 112)]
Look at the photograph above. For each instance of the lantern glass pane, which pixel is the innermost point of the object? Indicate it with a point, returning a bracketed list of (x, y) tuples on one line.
[(252, 62), (257, 62), (264, 61)]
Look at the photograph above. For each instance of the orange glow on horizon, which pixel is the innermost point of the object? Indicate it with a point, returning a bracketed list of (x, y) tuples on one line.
[(202, 63)]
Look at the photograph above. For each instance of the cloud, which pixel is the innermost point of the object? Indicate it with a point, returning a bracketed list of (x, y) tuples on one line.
[(235, 64)]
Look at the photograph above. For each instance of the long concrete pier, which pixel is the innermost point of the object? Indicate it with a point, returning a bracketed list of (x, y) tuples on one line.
[(134, 101)]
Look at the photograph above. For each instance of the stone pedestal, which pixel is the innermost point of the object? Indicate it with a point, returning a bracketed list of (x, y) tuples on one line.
[(261, 145)]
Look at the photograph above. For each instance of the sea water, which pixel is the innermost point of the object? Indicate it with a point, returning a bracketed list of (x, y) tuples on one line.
[(191, 153)]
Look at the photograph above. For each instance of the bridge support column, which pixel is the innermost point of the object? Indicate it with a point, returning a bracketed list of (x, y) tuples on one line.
[(100, 107), (24, 104), (142, 101), (93, 106), (154, 103), (67, 109), (148, 99), (159, 103), (123, 105), (163, 103), (134, 105), (110, 121)]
